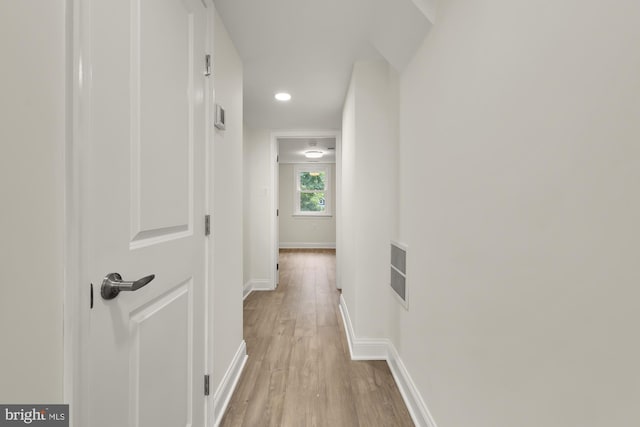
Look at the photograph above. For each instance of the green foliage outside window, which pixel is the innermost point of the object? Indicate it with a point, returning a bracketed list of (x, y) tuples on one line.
[(312, 202), (312, 181), (312, 196)]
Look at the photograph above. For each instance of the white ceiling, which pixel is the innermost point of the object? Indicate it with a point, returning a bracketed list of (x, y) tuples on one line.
[(307, 48), (291, 150)]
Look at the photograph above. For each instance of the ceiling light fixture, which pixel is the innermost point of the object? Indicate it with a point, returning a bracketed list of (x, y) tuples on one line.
[(283, 96), (313, 154)]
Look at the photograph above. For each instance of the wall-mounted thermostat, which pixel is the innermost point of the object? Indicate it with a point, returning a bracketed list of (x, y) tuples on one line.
[(219, 121)]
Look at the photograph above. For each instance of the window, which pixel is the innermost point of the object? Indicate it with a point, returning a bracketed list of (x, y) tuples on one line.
[(312, 190)]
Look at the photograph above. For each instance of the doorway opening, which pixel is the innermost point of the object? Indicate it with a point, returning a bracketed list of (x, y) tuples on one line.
[(306, 197)]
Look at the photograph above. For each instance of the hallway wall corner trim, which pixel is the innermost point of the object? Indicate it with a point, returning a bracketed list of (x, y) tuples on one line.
[(383, 349), (223, 394), (362, 348), (256, 285)]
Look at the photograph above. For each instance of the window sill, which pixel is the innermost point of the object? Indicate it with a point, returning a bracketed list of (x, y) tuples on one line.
[(323, 215)]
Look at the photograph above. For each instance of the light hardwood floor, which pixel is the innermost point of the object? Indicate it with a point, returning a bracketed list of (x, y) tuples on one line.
[(299, 372)]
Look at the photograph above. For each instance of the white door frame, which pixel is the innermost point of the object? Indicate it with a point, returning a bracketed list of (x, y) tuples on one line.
[(77, 292), (209, 108), (275, 135), (77, 288)]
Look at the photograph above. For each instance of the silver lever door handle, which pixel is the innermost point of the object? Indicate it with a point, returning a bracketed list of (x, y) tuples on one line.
[(113, 284)]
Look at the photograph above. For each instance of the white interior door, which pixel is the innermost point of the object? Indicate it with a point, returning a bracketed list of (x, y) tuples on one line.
[(144, 201)]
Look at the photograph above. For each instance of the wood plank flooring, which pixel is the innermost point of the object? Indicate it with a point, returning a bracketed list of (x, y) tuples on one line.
[(299, 372)]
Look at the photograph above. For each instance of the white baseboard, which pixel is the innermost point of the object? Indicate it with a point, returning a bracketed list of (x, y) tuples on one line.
[(307, 245), (246, 290), (383, 349), (256, 285), (223, 394), (362, 348), (262, 285), (412, 398)]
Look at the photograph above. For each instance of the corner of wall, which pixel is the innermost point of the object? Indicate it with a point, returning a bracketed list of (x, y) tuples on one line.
[(225, 389), (384, 349), (362, 348)]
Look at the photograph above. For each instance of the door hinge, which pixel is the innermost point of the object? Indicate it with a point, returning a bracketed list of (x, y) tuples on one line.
[(278, 266), (207, 225), (277, 158), (277, 212), (207, 65), (206, 385), (91, 296)]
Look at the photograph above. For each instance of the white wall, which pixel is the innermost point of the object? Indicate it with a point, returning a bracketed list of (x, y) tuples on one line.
[(32, 144), (345, 236), (519, 148), (257, 174), (369, 172), (227, 206), (246, 219), (300, 231)]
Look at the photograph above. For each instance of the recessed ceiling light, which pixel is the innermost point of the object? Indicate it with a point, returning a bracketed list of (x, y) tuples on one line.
[(283, 96), (313, 154)]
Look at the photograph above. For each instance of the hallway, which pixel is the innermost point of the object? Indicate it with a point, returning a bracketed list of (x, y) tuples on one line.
[(299, 372)]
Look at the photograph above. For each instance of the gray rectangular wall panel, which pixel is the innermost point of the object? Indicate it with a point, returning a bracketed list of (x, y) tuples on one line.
[(398, 284), (399, 259)]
